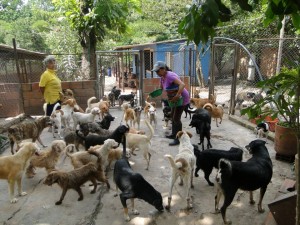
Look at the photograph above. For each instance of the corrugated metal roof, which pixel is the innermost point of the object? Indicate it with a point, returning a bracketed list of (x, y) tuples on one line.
[(7, 48)]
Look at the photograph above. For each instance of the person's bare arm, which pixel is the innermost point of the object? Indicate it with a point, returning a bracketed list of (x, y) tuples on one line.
[(180, 89)]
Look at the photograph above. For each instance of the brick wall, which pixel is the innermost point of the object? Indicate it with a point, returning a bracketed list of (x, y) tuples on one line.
[(151, 84), (33, 98)]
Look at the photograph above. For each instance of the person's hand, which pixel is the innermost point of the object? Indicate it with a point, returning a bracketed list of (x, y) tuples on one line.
[(175, 98)]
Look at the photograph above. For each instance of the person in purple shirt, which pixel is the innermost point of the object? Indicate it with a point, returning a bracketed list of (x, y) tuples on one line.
[(171, 83)]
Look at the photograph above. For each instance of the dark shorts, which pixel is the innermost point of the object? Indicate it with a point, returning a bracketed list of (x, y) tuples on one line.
[(50, 107)]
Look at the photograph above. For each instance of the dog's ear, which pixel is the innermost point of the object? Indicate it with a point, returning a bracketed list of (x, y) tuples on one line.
[(179, 134), (188, 133)]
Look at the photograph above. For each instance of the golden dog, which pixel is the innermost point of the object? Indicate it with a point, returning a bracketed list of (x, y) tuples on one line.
[(215, 111), (129, 115), (46, 159), (104, 108), (200, 102), (29, 128), (12, 168)]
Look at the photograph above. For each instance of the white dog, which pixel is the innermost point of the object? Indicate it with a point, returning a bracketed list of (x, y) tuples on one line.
[(183, 166), (79, 117), (56, 117), (152, 115), (140, 141)]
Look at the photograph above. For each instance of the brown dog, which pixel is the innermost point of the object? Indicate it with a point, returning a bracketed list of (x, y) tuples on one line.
[(200, 102), (104, 108), (12, 168), (129, 115), (46, 159), (215, 111), (75, 178), (29, 128)]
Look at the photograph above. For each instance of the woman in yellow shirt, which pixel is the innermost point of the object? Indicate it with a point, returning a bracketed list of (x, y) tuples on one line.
[(50, 84)]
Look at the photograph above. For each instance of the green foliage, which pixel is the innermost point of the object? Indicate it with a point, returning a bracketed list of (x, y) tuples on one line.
[(204, 17), (281, 98)]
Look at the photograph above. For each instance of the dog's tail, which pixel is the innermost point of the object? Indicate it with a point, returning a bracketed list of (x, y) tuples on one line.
[(179, 165), (79, 135), (225, 167), (151, 130), (99, 158), (208, 106), (89, 102), (54, 109), (67, 152)]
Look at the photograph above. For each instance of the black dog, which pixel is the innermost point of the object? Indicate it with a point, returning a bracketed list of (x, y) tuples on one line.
[(201, 120), (133, 185), (189, 110), (128, 97), (251, 175), (105, 123), (95, 139), (208, 159)]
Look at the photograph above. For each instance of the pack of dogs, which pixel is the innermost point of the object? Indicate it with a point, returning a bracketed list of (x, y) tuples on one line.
[(101, 149)]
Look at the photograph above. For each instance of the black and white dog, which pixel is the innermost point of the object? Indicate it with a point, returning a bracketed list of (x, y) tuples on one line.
[(256, 173), (166, 111), (261, 130), (209, 159), (128, 98), (189, 110), (133, 185)]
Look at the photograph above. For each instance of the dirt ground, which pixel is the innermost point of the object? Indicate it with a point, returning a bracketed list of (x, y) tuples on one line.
[(38, 207)]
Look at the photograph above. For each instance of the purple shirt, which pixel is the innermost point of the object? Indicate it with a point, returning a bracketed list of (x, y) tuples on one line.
[(168, 81)]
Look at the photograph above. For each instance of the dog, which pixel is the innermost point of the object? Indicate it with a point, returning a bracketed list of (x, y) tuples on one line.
[(91, 105), (56, 118), (129, 115), (75, 178), (115, 154), (152, 116), (46, 159), (133, 185), (216, 112), (138, 110), (141, 142), (167, 112), (79, 159), (12, 168), (112, 99), (67, 107), (80, 118), (106, 121), (147, 106), (68, 94), (29, 128), (95, 139), (256, 173), (104, 108), (246, 96), (113, 95), (261, 130), (126, 97), (200, 102), (201, 120), (209, 159), (183, 167), (189, 110)]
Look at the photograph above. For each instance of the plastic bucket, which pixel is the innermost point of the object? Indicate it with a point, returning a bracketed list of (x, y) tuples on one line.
[(175, 104), (156, 93)]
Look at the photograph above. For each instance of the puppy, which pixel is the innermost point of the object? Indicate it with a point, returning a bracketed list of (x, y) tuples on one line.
[(208, 159), (246, 96), (262, 130), (106, 121), (152, 116), (200, 102), (75, 178), (215, 112), (80, 118), (56, 118), (129, 114), (141, 142), (166, 111), (256, 173), (46, 159), (133, 185), (183, 167), (29, 128), (201, 120), (12, 168), (147, 106)]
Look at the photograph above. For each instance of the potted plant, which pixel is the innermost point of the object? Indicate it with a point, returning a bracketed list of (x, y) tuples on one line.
[(281, 101)]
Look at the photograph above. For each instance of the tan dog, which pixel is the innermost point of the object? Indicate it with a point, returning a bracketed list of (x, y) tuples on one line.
[(215, 111), (183, 167), (104, 108), (12, 168), (68, 94), (148, 104), (142, 142), (46, 159), (115, 154), (135, 131), (75, 178), (29, 128), (129, 115), (200, 102), (79, 159)]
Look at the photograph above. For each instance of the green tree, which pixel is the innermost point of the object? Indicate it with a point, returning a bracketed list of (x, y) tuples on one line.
[(92, 20)]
